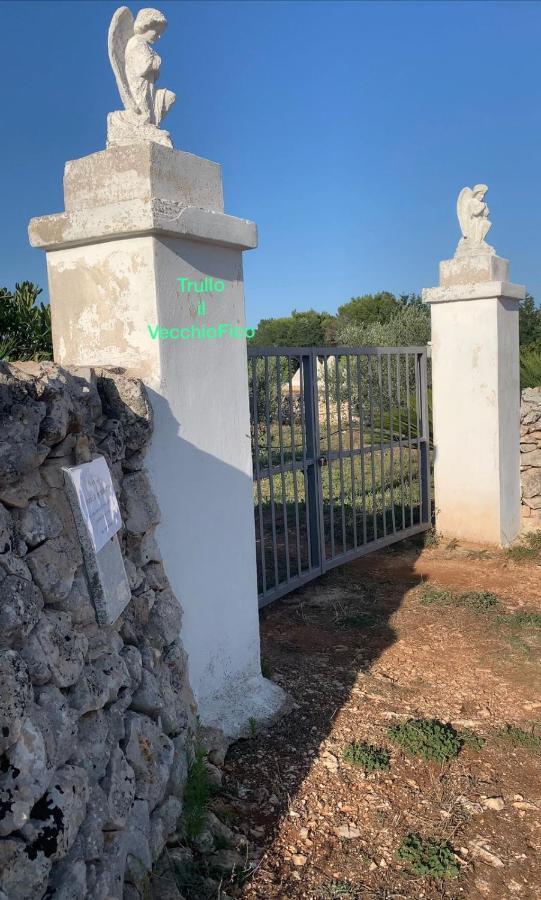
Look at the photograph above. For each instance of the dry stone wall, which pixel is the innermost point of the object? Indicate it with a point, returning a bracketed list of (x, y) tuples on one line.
[(96, 723), (530, 456)]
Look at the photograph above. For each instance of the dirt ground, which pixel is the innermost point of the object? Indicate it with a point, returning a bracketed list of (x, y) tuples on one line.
[(359, 652)]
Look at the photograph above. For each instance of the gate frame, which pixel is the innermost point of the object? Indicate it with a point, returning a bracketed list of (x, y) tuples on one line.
[(313, 459)]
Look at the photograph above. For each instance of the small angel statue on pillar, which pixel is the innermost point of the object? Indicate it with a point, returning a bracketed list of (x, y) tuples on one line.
[(137, 69), (472, 212)]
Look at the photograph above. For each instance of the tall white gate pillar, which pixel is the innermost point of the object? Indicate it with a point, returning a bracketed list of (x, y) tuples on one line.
[(476, 386), (138, 218)]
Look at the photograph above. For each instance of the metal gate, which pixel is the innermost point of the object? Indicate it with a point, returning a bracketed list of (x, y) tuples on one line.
[(340, 446)]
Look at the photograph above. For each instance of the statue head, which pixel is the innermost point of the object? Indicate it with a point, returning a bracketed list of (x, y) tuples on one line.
[(150, 24), (479, 191)]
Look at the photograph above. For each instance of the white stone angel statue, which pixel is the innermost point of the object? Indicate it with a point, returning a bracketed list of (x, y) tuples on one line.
[(472, 212), (137, 68)]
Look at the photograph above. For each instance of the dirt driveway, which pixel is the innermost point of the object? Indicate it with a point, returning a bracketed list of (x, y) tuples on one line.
[(404, 634)]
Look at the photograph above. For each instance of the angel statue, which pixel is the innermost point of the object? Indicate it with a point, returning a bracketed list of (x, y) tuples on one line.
[(472, 213), (137, 69)]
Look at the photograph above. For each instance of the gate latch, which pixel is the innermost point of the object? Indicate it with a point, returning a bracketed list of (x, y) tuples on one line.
[(322, 461)]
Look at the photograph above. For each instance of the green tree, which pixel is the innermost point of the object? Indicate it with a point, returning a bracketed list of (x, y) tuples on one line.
[(409, 326), (300, 329), (530, 324), (369, 308), (25, 326)]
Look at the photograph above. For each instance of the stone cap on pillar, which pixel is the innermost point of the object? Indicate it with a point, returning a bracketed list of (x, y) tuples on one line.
[(474, 275), (141, 189)]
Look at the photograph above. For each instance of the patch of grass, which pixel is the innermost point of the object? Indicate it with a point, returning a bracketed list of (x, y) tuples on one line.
[(360, 620), (471, 740), (431, 538), (528, 548), (436, 859), (337, 889), (369, 758), (478, 601), (253, 726), (430, 739), (522, 619), (516, 737), (196, 795)]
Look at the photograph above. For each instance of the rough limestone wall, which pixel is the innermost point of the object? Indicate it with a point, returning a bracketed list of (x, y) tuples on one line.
[(530, 456), (96, 723)]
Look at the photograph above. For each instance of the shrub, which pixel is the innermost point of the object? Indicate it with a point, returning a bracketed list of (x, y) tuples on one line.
[(370, 758), (25, 326), (428, 738), (428, 857)]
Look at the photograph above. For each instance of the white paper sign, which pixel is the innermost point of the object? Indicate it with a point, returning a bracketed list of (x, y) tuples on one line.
[(97, 500)]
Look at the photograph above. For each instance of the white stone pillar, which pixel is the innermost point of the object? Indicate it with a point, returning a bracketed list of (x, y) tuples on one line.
[(137, 218), (476, 398)]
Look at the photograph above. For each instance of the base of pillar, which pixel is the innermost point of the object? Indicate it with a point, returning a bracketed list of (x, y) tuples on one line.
[(245, 702)]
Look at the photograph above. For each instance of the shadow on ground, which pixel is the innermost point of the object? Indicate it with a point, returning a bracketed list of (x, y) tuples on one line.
[(347, 615)]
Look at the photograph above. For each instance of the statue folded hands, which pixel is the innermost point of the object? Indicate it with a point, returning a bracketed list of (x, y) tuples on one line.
[(137, 68)]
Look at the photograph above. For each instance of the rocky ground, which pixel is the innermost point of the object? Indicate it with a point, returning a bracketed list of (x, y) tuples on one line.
[(363, 649)]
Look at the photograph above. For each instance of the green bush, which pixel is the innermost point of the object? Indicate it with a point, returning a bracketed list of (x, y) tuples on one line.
[(428, 857), (530, 368), (369, 758), (25, 326), (428, 738)]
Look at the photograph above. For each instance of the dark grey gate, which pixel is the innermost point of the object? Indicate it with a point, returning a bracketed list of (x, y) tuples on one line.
[(340, 445)]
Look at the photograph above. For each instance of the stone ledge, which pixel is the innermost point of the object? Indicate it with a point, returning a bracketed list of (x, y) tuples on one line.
[(483, 290), (136, 218)]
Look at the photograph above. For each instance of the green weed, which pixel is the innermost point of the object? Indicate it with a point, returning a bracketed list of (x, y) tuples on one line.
[(428, 857), (196, 795), (528, 548), (369, 758), (430, 739), (336, 889), (478, 601), (471, 740), (516, 737), (253, 726)]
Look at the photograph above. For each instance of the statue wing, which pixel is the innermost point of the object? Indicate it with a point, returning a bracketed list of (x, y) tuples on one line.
[(120, 31), (462, 210)]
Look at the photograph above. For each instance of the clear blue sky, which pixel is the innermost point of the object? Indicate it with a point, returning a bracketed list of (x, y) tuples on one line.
[(345, 130)]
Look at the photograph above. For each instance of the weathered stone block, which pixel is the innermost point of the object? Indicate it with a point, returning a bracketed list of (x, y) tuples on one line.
[(119, 787), (15, 696), (54, 650), (37, 523), (150, 753), (21, 603), (53, 571), (23, 874), (100, 683)]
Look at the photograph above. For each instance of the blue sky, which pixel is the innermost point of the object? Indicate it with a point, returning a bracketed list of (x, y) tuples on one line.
[(345, 130)]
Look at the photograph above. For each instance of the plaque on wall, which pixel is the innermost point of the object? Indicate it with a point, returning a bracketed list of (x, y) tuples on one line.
[(97, 516)]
